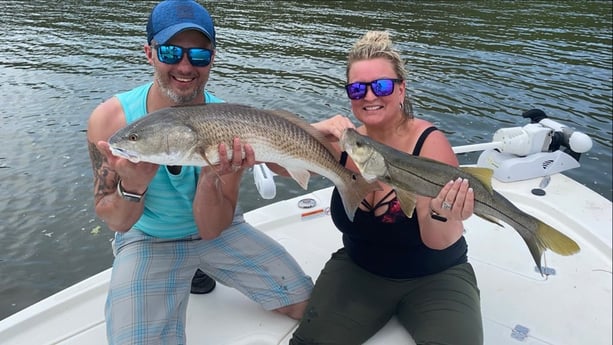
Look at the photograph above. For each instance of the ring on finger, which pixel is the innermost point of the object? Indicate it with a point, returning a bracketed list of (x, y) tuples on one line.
[(446, 205)]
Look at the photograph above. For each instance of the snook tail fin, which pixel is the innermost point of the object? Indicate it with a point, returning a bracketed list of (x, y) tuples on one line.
[(547, 237), (556, 241)]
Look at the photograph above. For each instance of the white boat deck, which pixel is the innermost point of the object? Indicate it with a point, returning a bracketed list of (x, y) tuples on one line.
[(570, 306)]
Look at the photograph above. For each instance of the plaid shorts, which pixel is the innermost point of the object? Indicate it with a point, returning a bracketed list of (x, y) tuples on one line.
[(151, 279)]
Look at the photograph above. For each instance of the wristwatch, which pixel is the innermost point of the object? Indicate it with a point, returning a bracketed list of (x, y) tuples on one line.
[(128, 195)]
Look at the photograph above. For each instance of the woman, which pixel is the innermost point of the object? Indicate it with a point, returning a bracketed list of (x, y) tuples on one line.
[(414, 268)]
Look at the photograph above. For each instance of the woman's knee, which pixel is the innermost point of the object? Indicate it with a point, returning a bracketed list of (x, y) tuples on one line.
[(295, 311)]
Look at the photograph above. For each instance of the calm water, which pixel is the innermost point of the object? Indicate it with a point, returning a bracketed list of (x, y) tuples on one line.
[(475, 67)]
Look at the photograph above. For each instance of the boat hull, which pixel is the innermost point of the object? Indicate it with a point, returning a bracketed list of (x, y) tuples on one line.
[(570, 305)]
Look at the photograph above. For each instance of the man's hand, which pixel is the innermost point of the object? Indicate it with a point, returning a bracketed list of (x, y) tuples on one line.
[(243, 157), (135, 177)]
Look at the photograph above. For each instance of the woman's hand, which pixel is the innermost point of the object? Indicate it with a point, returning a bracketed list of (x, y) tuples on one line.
[(333, 127), (455, 201)]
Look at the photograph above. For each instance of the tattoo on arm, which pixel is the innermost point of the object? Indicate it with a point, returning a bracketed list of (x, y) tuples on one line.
[(105, 179)]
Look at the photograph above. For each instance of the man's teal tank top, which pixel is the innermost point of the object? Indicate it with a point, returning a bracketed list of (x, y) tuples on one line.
[(168, 203)]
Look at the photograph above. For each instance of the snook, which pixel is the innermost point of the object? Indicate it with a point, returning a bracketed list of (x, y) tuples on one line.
[(410, 175), (190, 135)]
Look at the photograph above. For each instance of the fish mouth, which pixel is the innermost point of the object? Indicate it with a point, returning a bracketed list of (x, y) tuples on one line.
[(119, 152)]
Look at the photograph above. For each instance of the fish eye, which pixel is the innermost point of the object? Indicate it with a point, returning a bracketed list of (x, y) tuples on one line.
[(133, 137)]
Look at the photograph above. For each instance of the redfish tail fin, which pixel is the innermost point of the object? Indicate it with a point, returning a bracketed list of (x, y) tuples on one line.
[(353, 191)]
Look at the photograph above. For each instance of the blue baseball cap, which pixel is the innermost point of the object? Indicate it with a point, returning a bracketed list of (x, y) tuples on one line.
[(170, 17)]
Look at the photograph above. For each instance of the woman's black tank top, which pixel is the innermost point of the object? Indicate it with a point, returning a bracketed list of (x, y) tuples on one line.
[(390, 244)]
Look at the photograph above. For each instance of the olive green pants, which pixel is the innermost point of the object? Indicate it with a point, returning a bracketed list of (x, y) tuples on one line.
[(349, 305)]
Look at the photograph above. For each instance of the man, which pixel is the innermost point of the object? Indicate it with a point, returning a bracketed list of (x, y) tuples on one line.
[(170, 221)]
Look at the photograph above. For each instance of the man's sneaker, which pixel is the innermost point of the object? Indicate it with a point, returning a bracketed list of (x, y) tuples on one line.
[(202, 283)]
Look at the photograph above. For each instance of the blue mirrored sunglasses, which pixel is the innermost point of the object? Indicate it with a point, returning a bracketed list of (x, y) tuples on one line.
[(380, 87), (171, 55)]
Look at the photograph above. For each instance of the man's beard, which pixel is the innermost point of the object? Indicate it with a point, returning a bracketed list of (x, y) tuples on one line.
[(174, 96)]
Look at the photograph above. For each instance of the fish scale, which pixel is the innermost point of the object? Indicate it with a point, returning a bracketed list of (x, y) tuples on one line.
[(190, 135), (413, 175)]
